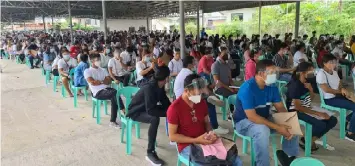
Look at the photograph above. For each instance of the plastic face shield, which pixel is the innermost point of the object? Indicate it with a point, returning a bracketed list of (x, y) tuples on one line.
[(198, 85)]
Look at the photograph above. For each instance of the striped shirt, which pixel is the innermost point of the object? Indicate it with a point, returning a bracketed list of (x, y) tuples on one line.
[(280, 61), (297, 90)]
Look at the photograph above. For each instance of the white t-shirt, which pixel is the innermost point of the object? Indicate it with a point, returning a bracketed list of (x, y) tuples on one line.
[(156, 52), (175, 66), (104, 60), (117, 68), (97, 74), (62, 64), (126, 57), (331, 80), (140, 66), (296, 59), (179, 81), (55, 62)]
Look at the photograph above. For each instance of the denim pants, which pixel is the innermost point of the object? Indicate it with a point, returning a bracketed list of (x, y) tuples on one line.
[(342, 102), (31, 58), (260, 134), (186, 154), (319, 127), (212, 115), (110, 94)]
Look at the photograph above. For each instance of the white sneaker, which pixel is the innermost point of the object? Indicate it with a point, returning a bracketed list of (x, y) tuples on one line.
[(238, 79), (221, 131), (115, 125)]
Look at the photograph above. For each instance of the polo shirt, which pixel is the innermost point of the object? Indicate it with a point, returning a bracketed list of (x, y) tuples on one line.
[(179, 113), (204, 63), (179, 81), (127, 57), (296, 90), (250, 96), (117, 69), (222, 70), (97, 74), (296, 59), (175, 66)]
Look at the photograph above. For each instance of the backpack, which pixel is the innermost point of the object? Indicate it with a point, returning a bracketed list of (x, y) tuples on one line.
[(196, 156)]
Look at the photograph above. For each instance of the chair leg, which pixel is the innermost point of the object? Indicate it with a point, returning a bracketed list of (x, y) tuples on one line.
[(178, 162), (234, 137), (129, 137), (122, 131), (224, 112), (324, 141), (166, 127), (75, 91), (308, 140), (138, 131), (105, 106), (252, 153), (245, 146), (98, 118), (85, 94), (342, 124), (93, 109), (273, 140), (63, 91)]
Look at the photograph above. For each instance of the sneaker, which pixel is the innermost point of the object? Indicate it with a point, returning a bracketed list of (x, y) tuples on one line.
[(350, 137), (153, 158), (238, 79), (215, 101), (221, 131), (229, 117), (115, 125), (283, 158)]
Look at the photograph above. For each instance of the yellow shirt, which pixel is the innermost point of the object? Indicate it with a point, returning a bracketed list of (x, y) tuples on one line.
[(353, 48)]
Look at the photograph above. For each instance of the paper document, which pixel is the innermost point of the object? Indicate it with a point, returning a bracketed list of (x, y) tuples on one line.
[(234, 87), (288, 119), (319, 109)]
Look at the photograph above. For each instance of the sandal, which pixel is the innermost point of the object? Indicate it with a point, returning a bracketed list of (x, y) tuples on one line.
[(302, 145)]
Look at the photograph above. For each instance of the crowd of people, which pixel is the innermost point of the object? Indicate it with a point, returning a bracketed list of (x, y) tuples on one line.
[(207, 73)]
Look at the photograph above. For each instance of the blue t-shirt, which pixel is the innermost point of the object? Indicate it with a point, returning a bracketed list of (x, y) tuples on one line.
[(79, 79), (250, 96)]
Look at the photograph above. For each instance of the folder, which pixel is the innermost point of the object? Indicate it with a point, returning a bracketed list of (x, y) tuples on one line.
[(288, 119)]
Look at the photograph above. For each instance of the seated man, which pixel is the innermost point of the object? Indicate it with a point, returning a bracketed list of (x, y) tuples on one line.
[(252, 112), (129, 57), (99, 80), (189, 66), (118, 70), (148, 105), (299, 98), (32, 54), (222, 76), (175, 65), (281, 61), (64, 66), (188, 118)]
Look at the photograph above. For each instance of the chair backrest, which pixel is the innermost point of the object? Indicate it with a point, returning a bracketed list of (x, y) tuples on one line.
[(127, 92), (232, 99), (306, 161), (321, 95)]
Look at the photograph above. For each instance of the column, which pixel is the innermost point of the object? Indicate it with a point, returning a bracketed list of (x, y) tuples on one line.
[(297, 20), (260, 22), (44, 23), (182, 29), (24, 26), (202, 19), (70, 22), (104, 19), (198, 24), (52, 21), (148, 25), (12, 24)]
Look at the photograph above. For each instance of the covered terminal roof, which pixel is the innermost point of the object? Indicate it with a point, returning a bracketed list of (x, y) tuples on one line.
[(27, 10)]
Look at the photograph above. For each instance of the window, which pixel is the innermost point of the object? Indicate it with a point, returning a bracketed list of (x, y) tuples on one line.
[(235, 16)]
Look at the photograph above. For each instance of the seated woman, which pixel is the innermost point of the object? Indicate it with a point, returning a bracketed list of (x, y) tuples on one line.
[(333, 92), (48, 57), (79, 79), (250, 66), (145, 69), (64, 66), (117, 69), (299, 98)]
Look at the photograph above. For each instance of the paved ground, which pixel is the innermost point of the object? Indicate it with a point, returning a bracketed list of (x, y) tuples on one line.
[(39, 127)]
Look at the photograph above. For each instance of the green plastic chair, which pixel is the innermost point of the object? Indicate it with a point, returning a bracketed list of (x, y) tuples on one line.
[(47, 76), (71, 75), (43, 71), (116, 86), (96, 105), (75, 93), (55, 82), (307, 126), (346, 70), (246, 139), (182, 159), (306, 161), (18, 59), (224, 108), (342, 113), (28, 61), (127, 123), (133, 77), (171, 87)]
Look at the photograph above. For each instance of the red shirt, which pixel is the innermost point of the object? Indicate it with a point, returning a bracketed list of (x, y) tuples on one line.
[(179, 113), (74, 51), (205, 63), (320, 57), (197, 55)]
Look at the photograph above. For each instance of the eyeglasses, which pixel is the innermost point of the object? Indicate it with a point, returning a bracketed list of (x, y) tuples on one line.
[(193, 114)]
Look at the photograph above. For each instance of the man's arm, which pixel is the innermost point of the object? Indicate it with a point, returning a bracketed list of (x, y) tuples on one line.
[(220, 83), (91, 81), (179, 138), (279, 106), (208, 124), (107, 80), (255, 118), (111, 74), (61, 71)]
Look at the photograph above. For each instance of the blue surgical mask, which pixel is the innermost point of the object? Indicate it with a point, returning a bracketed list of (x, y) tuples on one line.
[(66, 57), (270, 79)]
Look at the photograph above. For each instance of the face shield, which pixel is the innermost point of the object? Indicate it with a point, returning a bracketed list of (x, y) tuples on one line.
[(196, 89)]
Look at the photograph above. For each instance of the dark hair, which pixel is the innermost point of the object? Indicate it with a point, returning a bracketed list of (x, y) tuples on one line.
[(84, 58), (187, 61), (302, 67), (262, 64), (94, 56), (328, 57), (254, 51), (283, 45), (300, 45), (188, 80), (161, 73)]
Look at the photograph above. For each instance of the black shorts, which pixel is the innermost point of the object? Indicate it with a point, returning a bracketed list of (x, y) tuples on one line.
[(55, 72)]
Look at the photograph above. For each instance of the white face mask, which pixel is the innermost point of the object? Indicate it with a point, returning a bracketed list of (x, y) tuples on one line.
[(97, 63), (195, 99), (66, 57), (270, 79)]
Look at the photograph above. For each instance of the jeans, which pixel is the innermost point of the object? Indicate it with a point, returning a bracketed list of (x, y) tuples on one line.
[(110, 94), (226, 93), (212, 115), (154, 121), (319, 127), (31, 58), (260, 134), (342, 102), (186, 154), (285, 77)]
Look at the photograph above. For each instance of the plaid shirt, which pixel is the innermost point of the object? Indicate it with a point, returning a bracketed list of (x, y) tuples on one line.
[(280, 61)]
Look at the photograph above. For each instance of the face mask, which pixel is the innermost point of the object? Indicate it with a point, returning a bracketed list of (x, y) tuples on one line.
[(147, 59), (310, 75), (51, 50), (270, 79), (97, 63), (108, 51), (195, 99), (66, 56)]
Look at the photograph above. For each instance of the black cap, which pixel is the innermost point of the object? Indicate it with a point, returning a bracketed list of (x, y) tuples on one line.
[(32, 47)]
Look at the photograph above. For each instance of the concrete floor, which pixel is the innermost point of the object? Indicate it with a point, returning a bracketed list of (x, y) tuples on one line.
[(39, 127)]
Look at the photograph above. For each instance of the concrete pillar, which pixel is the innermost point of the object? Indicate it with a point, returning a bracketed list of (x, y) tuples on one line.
[(70, 22), (182, 28), (198, 24), (202, 20), (52, 21), (148, 29), (44, 23), (260, 22), (24, 26), (297, 20), (12, 24), (104, 19)]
